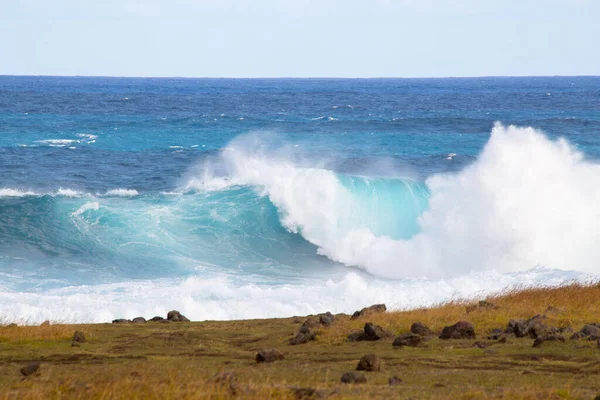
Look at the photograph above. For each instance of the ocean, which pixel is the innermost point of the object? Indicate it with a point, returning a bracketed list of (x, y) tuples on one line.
[(250, 198)]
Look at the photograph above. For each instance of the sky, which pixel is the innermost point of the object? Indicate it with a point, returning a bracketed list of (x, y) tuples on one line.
[(300, 38)]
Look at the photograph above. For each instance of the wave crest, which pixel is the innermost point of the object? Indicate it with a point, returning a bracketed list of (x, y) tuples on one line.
[(526, 201)]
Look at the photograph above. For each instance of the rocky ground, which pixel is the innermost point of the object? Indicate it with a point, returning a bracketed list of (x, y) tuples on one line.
[(537, 344)]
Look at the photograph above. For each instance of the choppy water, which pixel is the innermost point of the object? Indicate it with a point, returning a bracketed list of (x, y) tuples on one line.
[(253, 198)]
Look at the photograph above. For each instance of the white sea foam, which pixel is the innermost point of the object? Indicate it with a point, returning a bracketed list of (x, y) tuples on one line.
[(526, 201), (8, 192), (58, 142), (94, 205), (218, 298), (69, 192), (122, 192)]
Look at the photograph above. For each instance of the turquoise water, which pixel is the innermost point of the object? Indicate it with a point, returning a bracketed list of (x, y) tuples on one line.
[(248, 198)]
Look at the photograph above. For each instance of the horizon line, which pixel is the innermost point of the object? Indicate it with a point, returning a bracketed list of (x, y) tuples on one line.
[(298, 77)]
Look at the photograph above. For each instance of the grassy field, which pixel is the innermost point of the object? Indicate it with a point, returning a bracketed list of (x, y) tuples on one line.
[(216, 360)]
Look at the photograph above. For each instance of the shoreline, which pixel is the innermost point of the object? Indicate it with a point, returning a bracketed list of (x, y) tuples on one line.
[(459, 350)]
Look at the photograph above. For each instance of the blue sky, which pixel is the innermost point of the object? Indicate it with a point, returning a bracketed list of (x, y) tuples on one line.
[(300, 38)]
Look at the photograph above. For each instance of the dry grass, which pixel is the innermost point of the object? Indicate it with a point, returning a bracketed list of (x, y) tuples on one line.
[(179, 360)]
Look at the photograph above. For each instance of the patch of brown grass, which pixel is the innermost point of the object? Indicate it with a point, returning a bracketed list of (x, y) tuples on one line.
[(573, 305)]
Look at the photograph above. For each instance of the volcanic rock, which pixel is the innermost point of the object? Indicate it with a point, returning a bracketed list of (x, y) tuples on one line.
[(369, 362)]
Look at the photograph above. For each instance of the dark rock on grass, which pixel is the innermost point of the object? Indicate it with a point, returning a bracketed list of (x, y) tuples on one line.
[(374, 309), (304, 335), (353, 377), (407, 339), (357, 336), (308, 393), (369, 362), (376, 332), (502, 340), (75, 344), (521, 328), (79, 337), (12, 325), (495, 334), (419, 329), (326, 319), (269, 355), (156, 319), (460, 330), (311, 322), (176, 316), (590, 332), (139, 320), (518, 328), (480, 345), (598, 343), (549, 338), (30, 369), (121, 321), (394, 380), (45, 323), (439, 385)]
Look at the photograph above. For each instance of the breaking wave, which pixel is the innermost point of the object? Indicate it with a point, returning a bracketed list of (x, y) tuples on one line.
[(526, 201)]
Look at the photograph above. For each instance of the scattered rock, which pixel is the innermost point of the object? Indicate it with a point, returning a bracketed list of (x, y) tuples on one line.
[(590, 332), (79, 337), (269, 355), (394, 380), (156, 319), (490, 352), (357, 336), (308, 393), (419, 329), (495, 334), (311, 322), (549, 338), (176, 316), (439, 385), (165, 321), (121, 321), (326, 319), (45, 323), (13, 325), (376, 332), (502, 340), (374, 309), (304, 335), (75, 344), (139, 320), (407, 339), (369, 362), (353, 377), (480, 345), (460, 330), (522, 328), (30, 369)]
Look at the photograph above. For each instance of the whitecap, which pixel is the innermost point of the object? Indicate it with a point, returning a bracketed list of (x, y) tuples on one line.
[(8, 192), (122, 192)]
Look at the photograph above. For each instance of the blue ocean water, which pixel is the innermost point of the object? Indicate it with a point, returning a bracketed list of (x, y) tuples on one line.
[(239, 198)]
